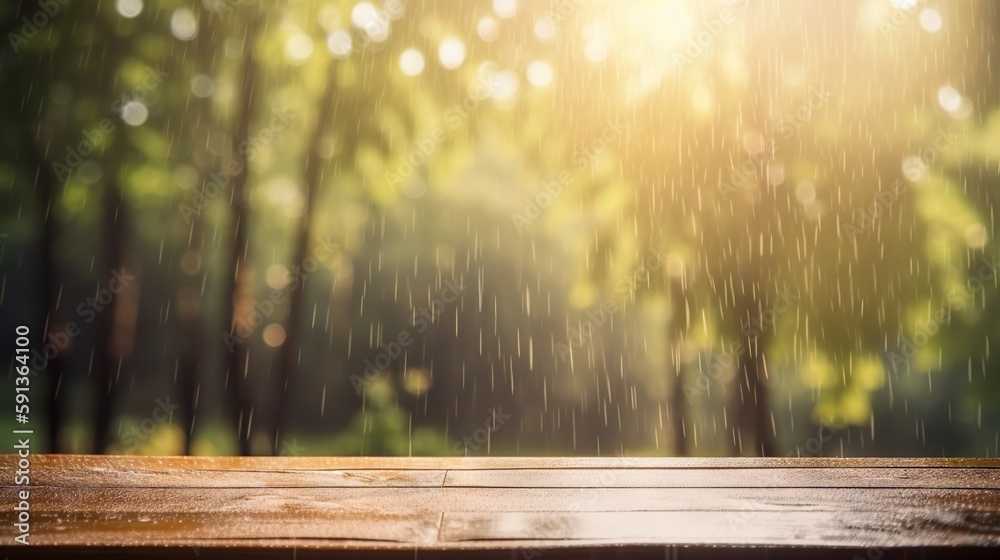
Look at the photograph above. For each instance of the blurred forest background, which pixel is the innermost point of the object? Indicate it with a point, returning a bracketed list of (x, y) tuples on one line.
[(506, 227)]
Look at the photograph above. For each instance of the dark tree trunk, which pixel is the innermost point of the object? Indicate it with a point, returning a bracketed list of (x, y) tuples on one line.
[(313, 176), (235, 355), (751, 400), (755, 410), (678, 400), (114, 334), (188, 375), (49, 289), (189, 378), (191, 330)]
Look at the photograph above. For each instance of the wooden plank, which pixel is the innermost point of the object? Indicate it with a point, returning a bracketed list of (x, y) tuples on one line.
[(185, 529), (368, 504), (844, 529), (303, 549), (95, 465), (98, 502), (278, 478), (820, 477), (526, 530)]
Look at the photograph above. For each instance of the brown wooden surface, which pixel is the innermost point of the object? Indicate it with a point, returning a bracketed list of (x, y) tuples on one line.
[(207, 507)]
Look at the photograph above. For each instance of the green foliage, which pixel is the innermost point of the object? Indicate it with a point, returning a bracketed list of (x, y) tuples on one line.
[(748, 181), (383, 428)]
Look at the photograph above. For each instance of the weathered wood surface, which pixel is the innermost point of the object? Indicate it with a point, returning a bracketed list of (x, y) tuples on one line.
[(238, 507)]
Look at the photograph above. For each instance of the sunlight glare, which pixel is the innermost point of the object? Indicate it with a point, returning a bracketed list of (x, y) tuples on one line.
[(298, 48), (411, 62), (950, 99), (539, 73), (930, 19), (135, 113), (202, 85), (506, 9), (183, 24), (339, 43), (129, 8), (505, 85), (545, 28), (451, 53), (488, 29), (596, 49)]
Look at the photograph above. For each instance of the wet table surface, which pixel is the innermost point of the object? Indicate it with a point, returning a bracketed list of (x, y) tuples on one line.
[(504, 507)]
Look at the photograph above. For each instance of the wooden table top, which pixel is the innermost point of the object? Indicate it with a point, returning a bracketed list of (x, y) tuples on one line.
[(502, 507)]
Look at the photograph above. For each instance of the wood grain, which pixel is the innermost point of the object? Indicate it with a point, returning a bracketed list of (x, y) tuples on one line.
[(218, 506)]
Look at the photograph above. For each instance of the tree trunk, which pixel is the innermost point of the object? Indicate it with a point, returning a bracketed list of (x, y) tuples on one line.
[(49, 289), (190, 308), (756, 409), (678, 404), (313, 176), (235, 355), (756, 432), (116, 331)]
